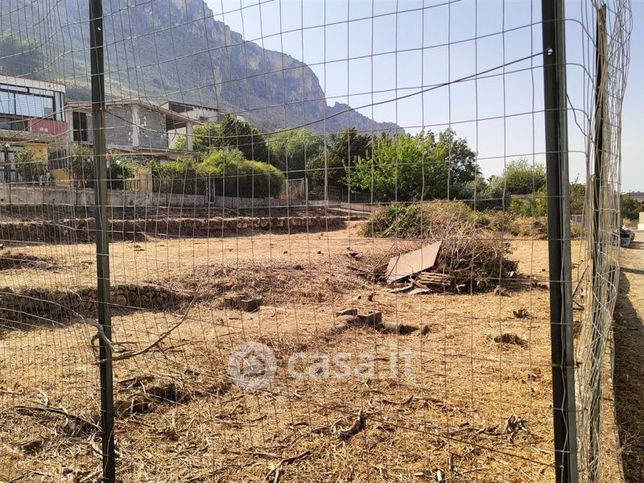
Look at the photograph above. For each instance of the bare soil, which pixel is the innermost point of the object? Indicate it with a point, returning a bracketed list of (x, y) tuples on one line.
[(629, 360), (445, 400)]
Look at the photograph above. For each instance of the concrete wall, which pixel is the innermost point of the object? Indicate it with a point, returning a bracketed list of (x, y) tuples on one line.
[(152, 129), (131, 126), (47, 195), (29, 195), (119, 126)]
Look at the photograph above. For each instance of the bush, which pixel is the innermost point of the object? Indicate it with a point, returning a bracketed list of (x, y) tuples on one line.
[(119, 170), (177, 176), (522, 177), (533, 205), (82, 165), (630, 208), (481, 218), (230, 174), (493, 195), (473, 255), (29, 167)]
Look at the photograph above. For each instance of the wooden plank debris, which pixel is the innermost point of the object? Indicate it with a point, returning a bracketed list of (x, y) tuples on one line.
[(404, 288), (411, 263)]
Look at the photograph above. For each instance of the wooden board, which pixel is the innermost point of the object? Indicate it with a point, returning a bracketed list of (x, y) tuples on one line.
[(409, 264)]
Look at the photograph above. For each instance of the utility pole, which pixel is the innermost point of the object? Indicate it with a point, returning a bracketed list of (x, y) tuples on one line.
[(561, 330), (102, 242)]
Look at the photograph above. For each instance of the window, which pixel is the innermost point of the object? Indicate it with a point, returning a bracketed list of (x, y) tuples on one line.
[(34, 106), (7, 105), (80, 127)]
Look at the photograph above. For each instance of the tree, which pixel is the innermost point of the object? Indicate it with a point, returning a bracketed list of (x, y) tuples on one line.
[(406, 167), (495, 194), (461, 161), (204, 138), (229, 133), (577, 197), (630, 208), (290, 150), (343, 149), (18, 57), (522, 177), (400, 169), (245, 137)]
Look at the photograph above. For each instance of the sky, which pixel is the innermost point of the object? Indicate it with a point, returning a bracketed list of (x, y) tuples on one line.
[(370, 51), (633, 115)]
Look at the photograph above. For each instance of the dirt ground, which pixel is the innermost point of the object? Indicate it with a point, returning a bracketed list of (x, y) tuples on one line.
[(629, 360), (444, 400)]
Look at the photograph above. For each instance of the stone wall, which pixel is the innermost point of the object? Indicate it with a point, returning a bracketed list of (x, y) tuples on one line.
[(21, 195), (36, 307), (83, 230)]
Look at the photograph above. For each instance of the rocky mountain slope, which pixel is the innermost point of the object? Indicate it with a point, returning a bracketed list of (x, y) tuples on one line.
[(175, 49)]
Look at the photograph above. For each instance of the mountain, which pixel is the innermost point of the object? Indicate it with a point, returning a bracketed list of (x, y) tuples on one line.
[(175, 50)]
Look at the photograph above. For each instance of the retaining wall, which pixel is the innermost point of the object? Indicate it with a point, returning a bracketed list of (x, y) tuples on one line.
[(83, 230)]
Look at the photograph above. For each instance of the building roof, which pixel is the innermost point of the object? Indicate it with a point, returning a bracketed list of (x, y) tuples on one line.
[(37, 84), (86, 106), (190, 104)]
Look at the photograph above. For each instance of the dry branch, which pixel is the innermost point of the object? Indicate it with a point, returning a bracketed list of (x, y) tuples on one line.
[(164, 335)]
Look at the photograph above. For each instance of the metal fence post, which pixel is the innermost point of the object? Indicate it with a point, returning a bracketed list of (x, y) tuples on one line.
[(561, 330), (597, 243), (102, 242)]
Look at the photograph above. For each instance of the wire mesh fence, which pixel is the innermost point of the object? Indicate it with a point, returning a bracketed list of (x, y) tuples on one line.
[(605, 30), (327, 225)]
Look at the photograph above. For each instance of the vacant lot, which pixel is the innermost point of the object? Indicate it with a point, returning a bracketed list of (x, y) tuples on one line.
[(629, 360), (439, 396)]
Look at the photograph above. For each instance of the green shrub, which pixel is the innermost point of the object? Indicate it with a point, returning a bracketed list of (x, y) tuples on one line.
[(29, 167), (630, 208), (82, 165), (523, 177), (177, 176), (482, 218), (493, 195), (119, 170), (229, 174)]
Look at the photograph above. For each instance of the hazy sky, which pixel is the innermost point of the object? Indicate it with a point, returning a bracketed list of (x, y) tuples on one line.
[(366, 51), (633, 117)]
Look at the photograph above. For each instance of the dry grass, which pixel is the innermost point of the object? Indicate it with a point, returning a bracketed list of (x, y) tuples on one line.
[(629, 361), (474, 409)]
